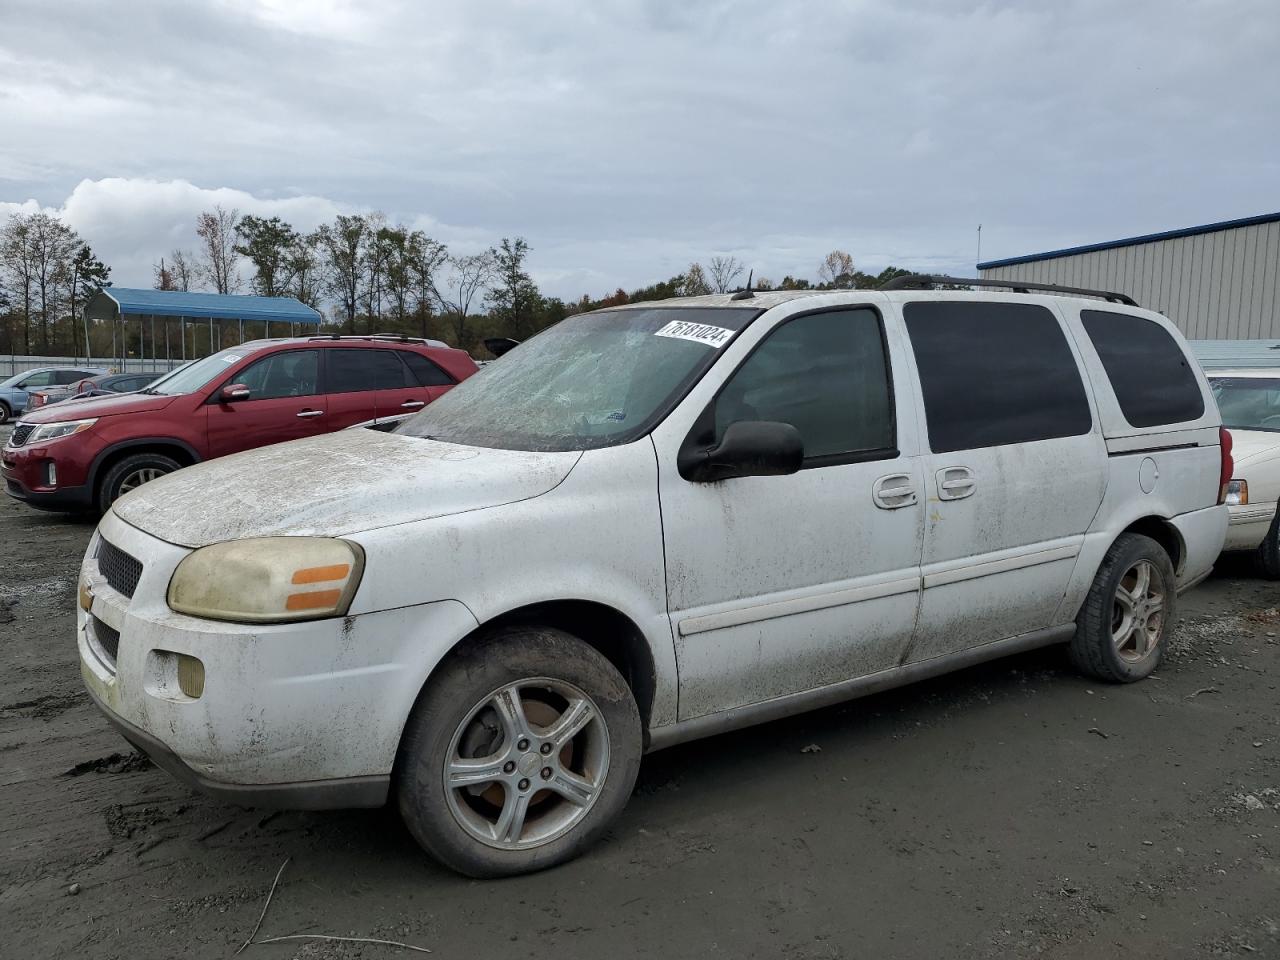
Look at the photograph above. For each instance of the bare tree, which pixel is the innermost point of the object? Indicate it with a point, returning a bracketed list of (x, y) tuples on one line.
[(52, 245), (17, 263), (377, 253), (425, 258), (217, 232), (836, 269), (342, 246), (181, 271), (467, 278), (724, 272)]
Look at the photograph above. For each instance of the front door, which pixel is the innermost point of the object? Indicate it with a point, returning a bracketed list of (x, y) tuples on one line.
[(779, 585), (283, 404), (1015, 472)]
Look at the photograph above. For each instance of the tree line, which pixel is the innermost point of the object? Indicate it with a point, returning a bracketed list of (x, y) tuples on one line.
[(363, 272)]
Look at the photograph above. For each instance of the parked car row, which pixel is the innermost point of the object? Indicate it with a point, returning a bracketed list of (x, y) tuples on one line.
[(645, 525), (84, 454), (96, 386), (15, 391)]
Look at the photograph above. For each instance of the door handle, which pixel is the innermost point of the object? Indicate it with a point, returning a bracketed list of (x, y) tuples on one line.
[(894, 491), (305, 414), (955, 483), (413, 404)]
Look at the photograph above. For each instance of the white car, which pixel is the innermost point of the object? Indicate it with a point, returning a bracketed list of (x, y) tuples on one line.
[(1250, 404), (651, 524)]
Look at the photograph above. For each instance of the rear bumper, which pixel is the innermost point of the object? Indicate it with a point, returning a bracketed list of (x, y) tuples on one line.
[(1201, 533)]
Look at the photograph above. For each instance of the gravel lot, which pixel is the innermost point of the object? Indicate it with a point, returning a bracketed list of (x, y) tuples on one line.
[(1011, 810)]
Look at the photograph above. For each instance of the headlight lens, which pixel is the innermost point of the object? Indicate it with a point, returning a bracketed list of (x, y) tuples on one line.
[(56, 431), (1237, 492), (268, 580)]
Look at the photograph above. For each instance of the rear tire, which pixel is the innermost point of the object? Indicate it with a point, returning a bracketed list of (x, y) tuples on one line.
[(1269, 551), (1123, 627), (130, 473), (521, 751)]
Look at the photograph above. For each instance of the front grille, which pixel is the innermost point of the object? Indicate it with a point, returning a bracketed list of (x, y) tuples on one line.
[(121, 570), (20, 434), (108, 639)]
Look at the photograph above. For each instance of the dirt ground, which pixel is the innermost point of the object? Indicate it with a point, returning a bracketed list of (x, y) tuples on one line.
[(1011, 810)]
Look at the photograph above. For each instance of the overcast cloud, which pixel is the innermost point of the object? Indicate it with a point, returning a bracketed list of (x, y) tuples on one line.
[(626, 139)]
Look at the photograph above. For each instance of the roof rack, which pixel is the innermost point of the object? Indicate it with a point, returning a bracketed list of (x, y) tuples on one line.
[(927, 281), (385, 337)]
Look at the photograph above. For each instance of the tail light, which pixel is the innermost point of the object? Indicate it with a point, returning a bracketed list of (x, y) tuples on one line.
[(1228, 463)]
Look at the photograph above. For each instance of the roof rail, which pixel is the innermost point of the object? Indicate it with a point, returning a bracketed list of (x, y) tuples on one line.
[(927, 281), (385, 337)]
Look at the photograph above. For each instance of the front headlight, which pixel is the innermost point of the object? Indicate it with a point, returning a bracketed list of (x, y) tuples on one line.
[(56, 431), (1237, 493), (268, 580)]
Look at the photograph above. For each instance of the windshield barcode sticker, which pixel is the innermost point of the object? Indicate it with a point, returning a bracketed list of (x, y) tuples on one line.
[(697, 332)]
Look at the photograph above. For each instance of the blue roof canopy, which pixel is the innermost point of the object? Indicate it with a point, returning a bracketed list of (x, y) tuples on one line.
[(211, 306)]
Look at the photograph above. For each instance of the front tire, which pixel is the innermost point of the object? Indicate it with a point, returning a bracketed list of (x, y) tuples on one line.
[(522, 749), (1123, 627), (130, 473), (5, 412), (1269, 551)]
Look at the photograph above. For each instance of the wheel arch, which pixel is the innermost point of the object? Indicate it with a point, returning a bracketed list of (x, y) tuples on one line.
[(606, 629), (179, 450), (1164, 533)]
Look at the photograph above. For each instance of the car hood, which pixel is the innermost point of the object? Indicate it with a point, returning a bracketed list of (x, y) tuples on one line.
[(1249, 446), (335, 485), (108, 406)]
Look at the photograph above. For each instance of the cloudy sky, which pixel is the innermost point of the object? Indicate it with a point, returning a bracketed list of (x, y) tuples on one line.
[(625, 138)]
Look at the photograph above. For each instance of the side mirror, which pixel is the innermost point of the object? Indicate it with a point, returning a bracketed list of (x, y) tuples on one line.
[(233, 392), (750, 448)]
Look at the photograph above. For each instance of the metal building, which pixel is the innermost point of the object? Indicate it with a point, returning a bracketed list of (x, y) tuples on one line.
[(1220, 281)]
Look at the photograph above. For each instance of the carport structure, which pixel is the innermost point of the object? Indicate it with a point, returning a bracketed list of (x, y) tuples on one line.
[(200, 319)]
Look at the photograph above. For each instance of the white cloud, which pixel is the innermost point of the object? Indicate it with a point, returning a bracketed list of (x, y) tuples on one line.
[(624, 139)]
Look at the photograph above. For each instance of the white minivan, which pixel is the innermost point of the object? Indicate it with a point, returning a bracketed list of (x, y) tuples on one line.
[(650, 524)]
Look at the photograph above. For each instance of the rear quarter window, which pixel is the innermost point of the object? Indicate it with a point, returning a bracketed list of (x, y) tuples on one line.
[(1152, 378)]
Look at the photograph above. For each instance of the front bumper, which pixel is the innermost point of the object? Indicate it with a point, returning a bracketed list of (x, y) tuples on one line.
[(305, 715), (1248, 525), (25, 471)]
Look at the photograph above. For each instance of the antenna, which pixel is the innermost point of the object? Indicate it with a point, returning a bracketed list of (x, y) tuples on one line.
[(750, 275), (979, 260)]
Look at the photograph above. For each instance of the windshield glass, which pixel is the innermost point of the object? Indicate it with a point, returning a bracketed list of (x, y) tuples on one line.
[(1248, 403), (198, 373), (593, 380)]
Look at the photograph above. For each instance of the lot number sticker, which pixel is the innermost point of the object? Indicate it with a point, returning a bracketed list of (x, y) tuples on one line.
[(697, 332)]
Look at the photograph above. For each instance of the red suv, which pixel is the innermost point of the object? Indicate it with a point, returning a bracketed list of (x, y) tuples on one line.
[(83, 455)]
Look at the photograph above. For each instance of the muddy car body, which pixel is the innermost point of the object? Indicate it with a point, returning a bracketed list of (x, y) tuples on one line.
[(648, 525)]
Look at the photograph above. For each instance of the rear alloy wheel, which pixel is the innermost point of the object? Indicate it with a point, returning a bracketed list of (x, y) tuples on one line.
[(133, 471), (1122, 628), (523, 747)]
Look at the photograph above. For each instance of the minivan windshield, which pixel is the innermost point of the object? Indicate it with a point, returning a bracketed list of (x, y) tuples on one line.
[(198, 373), (1248, 403), (593, 380)]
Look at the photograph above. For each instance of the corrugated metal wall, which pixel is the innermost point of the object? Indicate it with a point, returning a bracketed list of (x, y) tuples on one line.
[(1221, 285)]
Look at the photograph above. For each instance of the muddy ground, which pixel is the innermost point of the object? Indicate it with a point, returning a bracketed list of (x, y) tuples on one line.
[(1011, 810)]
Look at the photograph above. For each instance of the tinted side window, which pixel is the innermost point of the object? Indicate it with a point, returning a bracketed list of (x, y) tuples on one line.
[(825, 374), (1151, 376), (294, 373), (425, 371), (995, 373), (351, 371), (70, 376)]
